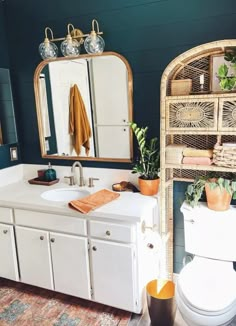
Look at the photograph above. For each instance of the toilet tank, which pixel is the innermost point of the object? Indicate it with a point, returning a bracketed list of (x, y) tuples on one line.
[(209, 233)]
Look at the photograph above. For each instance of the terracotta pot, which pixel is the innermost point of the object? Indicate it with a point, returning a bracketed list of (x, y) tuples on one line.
[(161, 306), (217, 199), (148, 187)]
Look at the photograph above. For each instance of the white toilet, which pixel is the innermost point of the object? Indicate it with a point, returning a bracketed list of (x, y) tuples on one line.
[(206, 287)]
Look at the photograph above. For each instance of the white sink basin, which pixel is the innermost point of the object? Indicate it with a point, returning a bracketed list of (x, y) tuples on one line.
[(64, 194)]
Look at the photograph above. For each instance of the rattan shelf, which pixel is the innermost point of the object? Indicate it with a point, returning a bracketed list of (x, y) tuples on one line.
[(198, 120), (201, 167)]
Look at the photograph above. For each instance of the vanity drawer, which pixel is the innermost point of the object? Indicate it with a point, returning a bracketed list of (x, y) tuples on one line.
[(112, 231), (6, 215), (51, 222)]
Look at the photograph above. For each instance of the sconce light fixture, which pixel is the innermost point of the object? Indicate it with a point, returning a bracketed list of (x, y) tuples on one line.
[(94, 43), (47, 49), (70, 46)]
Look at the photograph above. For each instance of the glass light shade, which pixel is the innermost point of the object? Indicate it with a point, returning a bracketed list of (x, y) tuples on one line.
[(70, 47), (94, 43), (48, 49)]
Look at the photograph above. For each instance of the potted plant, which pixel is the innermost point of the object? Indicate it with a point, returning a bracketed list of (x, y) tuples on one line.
[(148, 163), (219, 191), (227, 82)]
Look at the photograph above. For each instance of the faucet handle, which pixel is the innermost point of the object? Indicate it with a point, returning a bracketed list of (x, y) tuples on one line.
[(72, 180), (91, 181)]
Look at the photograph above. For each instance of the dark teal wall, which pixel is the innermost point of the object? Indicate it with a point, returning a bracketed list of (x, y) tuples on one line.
[(149, 33), (5, 98)]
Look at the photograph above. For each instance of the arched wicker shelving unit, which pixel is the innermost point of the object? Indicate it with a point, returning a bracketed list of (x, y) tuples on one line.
[(217, 123)]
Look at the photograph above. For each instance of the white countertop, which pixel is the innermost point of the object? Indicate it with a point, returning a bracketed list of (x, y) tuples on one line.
[(129, 207)]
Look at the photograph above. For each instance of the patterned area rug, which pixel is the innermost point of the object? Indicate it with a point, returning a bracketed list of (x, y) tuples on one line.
[(24, 305)]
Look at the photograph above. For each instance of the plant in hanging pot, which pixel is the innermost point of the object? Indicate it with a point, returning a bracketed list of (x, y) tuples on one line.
[(148, 163), (219, 191)]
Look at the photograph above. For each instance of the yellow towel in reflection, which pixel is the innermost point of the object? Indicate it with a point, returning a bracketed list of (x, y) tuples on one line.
[(91, 202), (78, 121), (193, 152)]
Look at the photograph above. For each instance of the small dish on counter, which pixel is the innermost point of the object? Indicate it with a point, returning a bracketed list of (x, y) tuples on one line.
[(124, 186)]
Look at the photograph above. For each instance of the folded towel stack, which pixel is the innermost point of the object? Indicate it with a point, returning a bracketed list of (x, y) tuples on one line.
[(197, 156), (91, 202), (174, 153)]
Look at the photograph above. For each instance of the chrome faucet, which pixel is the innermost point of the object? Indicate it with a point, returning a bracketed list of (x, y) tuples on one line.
[(81, 175)]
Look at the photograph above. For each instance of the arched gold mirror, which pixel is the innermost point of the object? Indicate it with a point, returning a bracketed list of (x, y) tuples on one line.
[(84, 106)]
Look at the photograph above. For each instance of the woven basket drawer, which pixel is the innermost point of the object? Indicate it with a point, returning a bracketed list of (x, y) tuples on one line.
[(192, 114), (227, 114)]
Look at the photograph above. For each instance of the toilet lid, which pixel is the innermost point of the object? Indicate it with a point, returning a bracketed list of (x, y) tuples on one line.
[(207, 291)]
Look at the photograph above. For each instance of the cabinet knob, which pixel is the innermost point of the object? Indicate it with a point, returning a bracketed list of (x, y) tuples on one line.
[(108, 233), (41, 237), (5, 231), (53, 240), (94, 248), (150, 245)]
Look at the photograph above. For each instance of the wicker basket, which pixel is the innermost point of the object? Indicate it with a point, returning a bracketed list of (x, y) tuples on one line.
[(224, 155), (181, 87)]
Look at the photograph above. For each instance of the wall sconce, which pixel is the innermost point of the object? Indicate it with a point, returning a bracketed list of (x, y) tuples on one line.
[(47, 49), (70, 46)]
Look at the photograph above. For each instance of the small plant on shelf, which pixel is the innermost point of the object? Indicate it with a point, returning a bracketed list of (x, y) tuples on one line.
[(148, 163), (219, 191), (227, 82)]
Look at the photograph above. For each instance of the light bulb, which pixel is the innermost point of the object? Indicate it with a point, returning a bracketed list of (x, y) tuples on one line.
[(48, 49), (94, 43), (70, 47)]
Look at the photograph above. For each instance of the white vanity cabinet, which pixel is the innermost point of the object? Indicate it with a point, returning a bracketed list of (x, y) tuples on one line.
[(102, 256), (34, 257), (8, 260), (54, 261), (8, 257), (70, 264), (113, 264)]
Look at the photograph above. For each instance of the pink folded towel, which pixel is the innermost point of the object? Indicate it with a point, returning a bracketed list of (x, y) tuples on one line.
[(197, 160)]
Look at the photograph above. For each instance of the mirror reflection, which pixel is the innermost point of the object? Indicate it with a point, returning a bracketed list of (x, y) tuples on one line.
[(84, 106), (7, 117)]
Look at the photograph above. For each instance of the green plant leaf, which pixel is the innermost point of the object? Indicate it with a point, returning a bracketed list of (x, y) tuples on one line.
[(223, 71)]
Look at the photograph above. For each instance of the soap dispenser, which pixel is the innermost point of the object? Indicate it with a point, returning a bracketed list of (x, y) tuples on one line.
[(50, 173)]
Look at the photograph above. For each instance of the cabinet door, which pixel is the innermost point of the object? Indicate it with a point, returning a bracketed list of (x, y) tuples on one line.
[(70, 264), (34, 257), (113, 272), (8, 260)]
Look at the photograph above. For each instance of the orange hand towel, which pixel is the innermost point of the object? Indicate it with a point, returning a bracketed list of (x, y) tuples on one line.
[(78, 121), (91, 202)]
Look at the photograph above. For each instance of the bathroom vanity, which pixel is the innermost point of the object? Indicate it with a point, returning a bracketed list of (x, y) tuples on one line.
[(104, 256)]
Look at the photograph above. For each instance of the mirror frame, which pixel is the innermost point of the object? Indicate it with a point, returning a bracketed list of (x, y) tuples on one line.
[(38, 70)]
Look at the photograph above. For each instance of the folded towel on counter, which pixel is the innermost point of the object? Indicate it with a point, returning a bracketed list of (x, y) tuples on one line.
[(193, 152), (91, 202), (197, 160)]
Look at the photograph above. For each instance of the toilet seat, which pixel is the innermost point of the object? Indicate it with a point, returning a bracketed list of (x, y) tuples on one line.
[(199, 301), (195, 317), (203, 295)]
